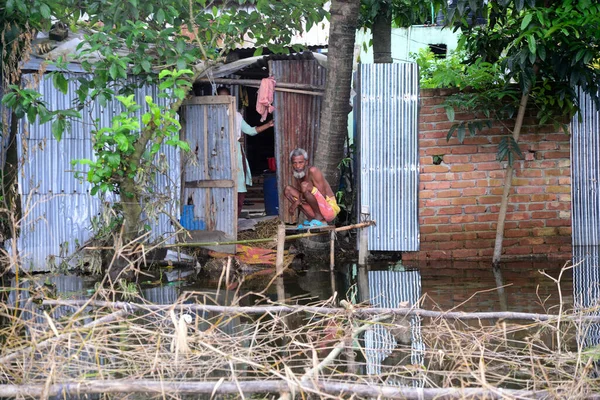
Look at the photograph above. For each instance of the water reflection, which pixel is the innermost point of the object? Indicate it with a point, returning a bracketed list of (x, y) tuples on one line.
[(586, 287)]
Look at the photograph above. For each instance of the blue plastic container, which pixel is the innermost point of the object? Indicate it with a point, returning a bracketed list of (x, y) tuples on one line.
[(189, 222), (270, 193)]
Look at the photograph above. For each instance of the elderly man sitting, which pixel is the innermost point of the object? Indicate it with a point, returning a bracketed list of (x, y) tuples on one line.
[(311, 192)]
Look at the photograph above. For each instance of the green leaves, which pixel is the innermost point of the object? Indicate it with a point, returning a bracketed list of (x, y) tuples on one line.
[(508, 149)]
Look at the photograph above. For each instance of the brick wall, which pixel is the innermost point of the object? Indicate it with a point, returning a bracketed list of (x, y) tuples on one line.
[(460, 198)]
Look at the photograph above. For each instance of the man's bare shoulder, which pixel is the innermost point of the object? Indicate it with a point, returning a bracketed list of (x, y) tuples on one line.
[(313, 170)]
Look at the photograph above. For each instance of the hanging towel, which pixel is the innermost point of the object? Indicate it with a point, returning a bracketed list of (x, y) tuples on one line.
[(265, 97)]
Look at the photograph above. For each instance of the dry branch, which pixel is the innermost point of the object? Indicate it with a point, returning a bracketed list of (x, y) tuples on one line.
[(256, 386), (359, 311)]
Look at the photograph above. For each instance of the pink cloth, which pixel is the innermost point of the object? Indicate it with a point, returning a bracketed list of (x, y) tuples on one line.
[(265, 97)]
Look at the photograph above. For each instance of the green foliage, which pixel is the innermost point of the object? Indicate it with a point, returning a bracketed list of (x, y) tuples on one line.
[(454, 72), (404, 12), (544, 50), (28, 103), (115, 146)]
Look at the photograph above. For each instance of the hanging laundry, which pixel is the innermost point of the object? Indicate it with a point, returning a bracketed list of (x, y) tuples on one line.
[(265, 97)]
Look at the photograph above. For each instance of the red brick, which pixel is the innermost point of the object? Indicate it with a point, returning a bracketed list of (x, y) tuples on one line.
[(529, 189), (452, 245), (487, 235), (428, 131), (474, 192), (429, 169), (477, 227), (489, 199), (427, 194), (462, 219), (497, 191), (453, 158), (433, 118), (488, 149), (529, 173), (474, 175), (438, 202), (436, 185), (558, 189), (532, 224), (448, 193), (556, 154), (450, 228), (462, 167), (485, 253), (464, 149), (475, 209), (496, 174), (436, 237), (566, 230), (544, 214), (447, 177), (543, 197), (435, 220), (488, 166), (449, 211), (427, 229), (536, 207), (464, 253), (517, 250), (477, 158), (427, 212), (426, 178), (545, 231), (462, 184), (516, 233), (519, 198), (564, 181), (479, 244), (464, 236), (487, 217), (428, 143), (558, 222), (463, 201), (529, 241), (518, 216)]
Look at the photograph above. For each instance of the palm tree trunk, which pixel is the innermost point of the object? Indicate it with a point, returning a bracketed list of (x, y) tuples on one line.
[(336, 100), (382, 35), (508, 185)]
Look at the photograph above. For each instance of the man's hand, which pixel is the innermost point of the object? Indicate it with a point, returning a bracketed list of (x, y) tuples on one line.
[(293, 207)]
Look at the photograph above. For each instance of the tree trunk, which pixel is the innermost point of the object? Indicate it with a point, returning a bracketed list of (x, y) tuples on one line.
[(382, 35), (336, 100), (507, 185)]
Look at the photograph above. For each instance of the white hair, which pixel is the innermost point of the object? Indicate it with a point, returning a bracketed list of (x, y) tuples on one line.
[(299, 152)]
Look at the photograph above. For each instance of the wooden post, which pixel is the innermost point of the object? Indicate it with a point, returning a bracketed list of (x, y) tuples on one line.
[(279, 262), (363, 242), (332, 251)]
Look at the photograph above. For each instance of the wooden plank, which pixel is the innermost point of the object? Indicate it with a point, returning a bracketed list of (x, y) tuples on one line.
[(210, 183), (207, 100)]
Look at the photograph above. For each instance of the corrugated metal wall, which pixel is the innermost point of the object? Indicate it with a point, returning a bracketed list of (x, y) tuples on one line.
[(297, 120), (60, 207), (209, 130), (388, 154), (585, 207), (585, 174)]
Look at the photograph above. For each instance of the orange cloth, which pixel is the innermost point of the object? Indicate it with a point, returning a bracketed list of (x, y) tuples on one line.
[(265, 97), (249, 255)]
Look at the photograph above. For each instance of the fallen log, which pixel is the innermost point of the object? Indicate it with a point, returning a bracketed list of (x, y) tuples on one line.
[(358, 311), (265, 386)]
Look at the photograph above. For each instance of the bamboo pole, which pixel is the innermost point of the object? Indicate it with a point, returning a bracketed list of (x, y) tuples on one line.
[(279, 262), (264, 386), (323, 231), (332, 251), (256, 82), (366, 311)]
